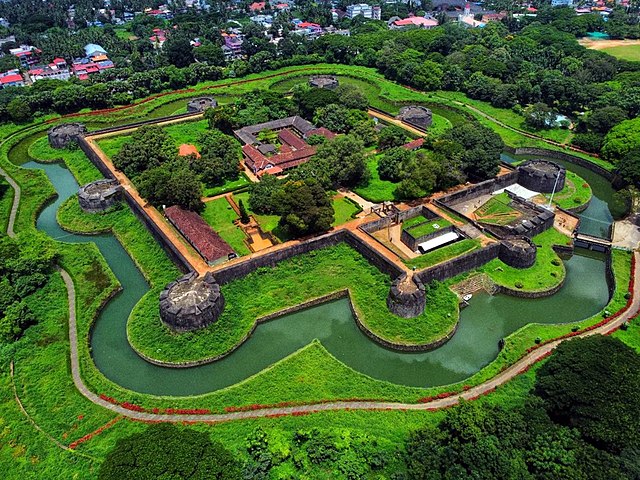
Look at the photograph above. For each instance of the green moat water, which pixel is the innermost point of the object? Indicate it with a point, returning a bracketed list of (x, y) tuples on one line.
[(474, 345)]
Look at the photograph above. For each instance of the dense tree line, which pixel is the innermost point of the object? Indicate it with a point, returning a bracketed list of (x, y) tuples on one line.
[(534, 66), (26, 263), (151, 160)]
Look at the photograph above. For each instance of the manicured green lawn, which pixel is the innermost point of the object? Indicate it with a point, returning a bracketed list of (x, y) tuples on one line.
[(219, 214), (428, 227), (576, 192), (228, 186), (442, 254), (412, 222), (547, 272), (625, 52), (290, 283), (268, 223), (344, 210), (377, 190)]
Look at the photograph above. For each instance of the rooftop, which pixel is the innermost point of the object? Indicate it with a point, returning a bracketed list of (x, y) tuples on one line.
[(198, 233)]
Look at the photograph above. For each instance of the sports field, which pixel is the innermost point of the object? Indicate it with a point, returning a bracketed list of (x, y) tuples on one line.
[(622, 49)]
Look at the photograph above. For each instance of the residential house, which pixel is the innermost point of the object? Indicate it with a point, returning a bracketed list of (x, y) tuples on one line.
[(27, 54), (367, 11), (397, 23), (257, 6), (56, 70), (232, 47), (12, 78)]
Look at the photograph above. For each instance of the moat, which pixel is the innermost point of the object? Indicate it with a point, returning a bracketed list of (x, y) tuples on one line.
[(482, 324)]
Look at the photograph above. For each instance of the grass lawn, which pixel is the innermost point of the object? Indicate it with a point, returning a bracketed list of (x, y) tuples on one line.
[(6, 201), (625, 52), (228, 186), (344, 210), (576, 192), (428, 227), (377, 190), (442, 254), (290, 283), (268, 223), (412, 222), (496, 211), (219, 214), (547, 272)]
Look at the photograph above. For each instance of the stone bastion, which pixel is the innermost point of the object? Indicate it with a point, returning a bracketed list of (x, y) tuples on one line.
[(191, 302), (61, 136), (200, 104), (518, 251), (324, 81), (99, 196), (416, 115), (407, 296), (541, 175)]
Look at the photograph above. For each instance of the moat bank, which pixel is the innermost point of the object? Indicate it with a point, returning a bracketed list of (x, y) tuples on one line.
[(475, 344)]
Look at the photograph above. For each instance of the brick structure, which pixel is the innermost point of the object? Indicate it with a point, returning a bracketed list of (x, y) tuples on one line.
[(407, 297), (98, 196), (61, 136), (200, 104), (191, 303), (416, 115), (541, 176), (518, 252), (324, 81)]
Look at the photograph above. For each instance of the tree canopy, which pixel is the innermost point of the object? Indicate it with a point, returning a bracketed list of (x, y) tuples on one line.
[(167, 451), (149, 147), (593, 384)]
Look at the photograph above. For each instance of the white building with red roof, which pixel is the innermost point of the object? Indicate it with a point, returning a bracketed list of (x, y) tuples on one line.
[(396, 23), (56, 70), (12, 78)]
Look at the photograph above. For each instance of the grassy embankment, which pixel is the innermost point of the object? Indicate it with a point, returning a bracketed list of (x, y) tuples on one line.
[(576, 192), (23, 449), (290, 283), (547, 272), (6, 201)]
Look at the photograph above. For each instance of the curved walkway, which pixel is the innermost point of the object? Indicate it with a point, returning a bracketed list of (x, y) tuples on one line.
[(471, 394)]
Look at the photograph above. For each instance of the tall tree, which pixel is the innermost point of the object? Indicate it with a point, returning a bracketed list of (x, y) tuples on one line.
[(167, 451)]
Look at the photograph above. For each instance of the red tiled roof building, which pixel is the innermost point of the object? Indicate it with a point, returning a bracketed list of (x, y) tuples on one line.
[(199, 234), (294, 150)]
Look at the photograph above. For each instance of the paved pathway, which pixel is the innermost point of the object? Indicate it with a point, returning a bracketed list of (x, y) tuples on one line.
[(481, 389)]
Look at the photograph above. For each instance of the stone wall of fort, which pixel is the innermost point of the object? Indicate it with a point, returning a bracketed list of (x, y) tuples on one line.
[(461, 264), (616, 180), (238, 270), (479, 189), (158, 234)]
